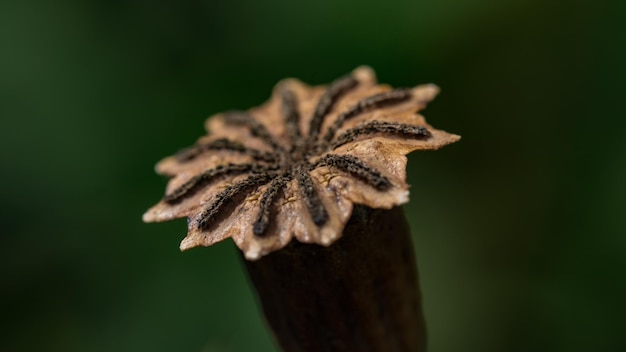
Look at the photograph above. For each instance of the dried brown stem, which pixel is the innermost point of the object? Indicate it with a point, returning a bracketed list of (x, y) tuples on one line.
[(360, 294)]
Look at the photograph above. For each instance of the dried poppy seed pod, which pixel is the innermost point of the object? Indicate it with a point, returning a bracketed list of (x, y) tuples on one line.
[(360, 294), (296, 167)]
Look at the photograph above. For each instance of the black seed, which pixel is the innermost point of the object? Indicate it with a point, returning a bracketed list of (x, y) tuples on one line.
[(356, 168), (385, 128), (202, 180), (229, 196), (292, 116), (311, 198), (261, 224), (191, 153), (373, 102), (256, 128), (336, 89)]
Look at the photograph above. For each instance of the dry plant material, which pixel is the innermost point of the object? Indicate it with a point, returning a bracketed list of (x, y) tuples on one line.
[(325, 165), (295, 166)]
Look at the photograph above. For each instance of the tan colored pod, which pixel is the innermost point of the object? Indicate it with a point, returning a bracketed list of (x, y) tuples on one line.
[(308, 185)]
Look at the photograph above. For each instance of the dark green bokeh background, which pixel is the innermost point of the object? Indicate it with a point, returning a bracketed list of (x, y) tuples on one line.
[(520, 228)]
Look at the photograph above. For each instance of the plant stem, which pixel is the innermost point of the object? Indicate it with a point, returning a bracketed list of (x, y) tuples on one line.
[(359, 294)]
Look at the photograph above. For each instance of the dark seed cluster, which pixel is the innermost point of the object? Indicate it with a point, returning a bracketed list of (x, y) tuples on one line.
[(285, 164)]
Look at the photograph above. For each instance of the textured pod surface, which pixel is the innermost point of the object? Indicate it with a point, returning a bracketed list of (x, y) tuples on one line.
[(360, 294), (294, 167)]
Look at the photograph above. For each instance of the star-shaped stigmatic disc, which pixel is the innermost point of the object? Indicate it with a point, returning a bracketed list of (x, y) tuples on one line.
[(294, 166)]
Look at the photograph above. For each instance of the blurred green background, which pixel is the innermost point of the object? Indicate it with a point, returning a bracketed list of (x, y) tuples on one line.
[(520, 228)]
